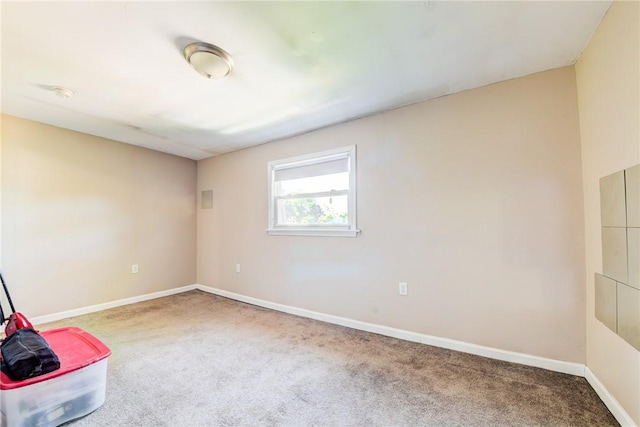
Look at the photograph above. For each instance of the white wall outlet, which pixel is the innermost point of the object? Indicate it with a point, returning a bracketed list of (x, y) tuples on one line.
[(403, 288), (237, 268), (134, 269)]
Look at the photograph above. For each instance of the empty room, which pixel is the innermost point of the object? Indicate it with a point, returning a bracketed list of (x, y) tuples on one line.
[(420, 213)]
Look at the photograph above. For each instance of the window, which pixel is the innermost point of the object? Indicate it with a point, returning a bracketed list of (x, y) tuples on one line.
[(314, 195)]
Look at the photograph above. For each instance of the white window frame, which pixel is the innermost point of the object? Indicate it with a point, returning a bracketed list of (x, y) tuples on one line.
[(349, 230)]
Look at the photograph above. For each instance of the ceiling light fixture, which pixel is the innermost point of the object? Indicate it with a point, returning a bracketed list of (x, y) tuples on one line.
[(208, 60), (62, 92)]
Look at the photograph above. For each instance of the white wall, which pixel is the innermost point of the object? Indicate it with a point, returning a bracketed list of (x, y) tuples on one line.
[(474, 199), (608, 78), (79, 210)]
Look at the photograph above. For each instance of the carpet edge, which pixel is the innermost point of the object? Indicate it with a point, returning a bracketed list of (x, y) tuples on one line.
[(451, 344), (112, 304), (571, 368), (607, 398)]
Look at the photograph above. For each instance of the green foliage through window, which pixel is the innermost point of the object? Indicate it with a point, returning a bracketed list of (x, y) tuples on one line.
[(312, 211)]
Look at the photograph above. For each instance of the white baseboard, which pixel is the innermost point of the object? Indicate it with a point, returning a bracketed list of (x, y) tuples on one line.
[(493, 353), (99, 307), (607, 398)]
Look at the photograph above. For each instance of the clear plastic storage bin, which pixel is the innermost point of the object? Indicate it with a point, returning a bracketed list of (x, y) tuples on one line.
[(74, 390)]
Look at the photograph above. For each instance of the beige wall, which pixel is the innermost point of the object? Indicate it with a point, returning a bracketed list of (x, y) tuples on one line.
[(0, 193), (474, 199), (79, 210), (608, 79)]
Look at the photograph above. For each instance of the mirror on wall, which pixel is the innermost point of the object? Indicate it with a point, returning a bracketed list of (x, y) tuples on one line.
[(617, 289)]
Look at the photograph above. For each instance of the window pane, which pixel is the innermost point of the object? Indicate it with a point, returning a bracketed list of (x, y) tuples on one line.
[(314, 194), (313, 211), (314, 184)]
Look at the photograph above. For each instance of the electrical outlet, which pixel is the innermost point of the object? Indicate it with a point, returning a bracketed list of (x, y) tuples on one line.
[(237, 268), (403, 288), (134, 269)]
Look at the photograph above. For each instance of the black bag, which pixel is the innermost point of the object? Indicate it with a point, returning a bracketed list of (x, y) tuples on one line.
[(25, 354)]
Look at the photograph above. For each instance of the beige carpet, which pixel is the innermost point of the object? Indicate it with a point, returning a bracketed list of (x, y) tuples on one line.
[(196, 359)]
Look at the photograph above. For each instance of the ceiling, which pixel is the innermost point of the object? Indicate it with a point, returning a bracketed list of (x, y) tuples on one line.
[(299, 66)]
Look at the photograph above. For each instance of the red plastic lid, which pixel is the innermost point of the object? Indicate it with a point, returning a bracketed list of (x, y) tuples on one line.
[(75, 348)]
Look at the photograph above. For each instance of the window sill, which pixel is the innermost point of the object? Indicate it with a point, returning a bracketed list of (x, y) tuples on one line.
[(312, 232)]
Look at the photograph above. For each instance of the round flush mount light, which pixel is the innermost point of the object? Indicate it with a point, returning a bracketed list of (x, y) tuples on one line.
[(62, 92), (209, 60)]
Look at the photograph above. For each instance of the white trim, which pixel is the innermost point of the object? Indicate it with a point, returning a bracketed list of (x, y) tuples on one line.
[(104, 306), (525, 359), (493, 353), (607, 398), (312, 232), (348, 152)]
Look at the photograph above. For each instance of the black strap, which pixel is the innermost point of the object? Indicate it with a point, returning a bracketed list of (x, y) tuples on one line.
[(6, 292)]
